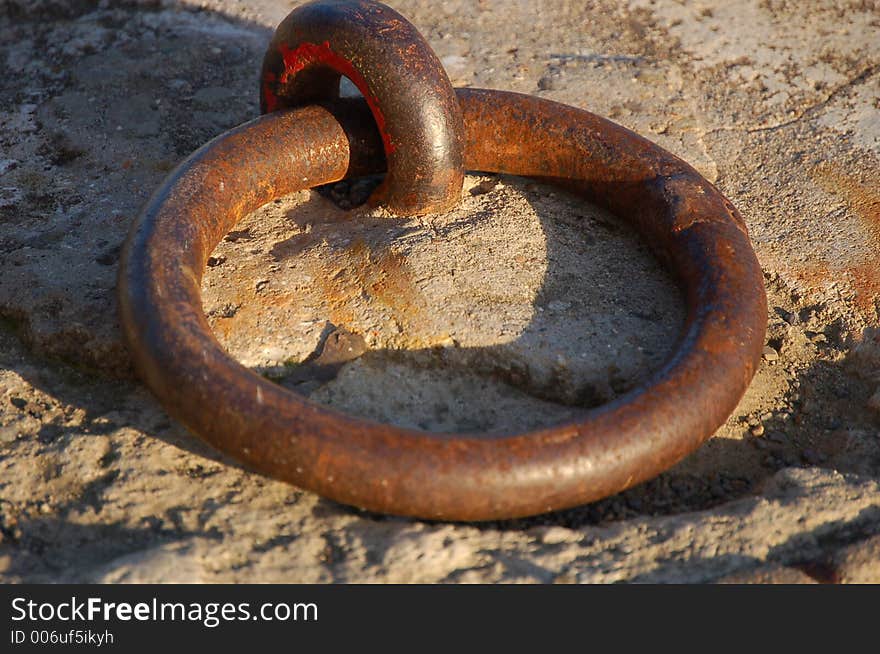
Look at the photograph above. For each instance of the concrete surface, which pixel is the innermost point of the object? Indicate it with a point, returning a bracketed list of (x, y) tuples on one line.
[(509, 312)]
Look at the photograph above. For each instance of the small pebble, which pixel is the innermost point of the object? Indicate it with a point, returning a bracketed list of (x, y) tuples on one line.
[(484, 187), (770, 355), (557, 536), (8, 434), (7, 165), (757, 430), (787, 316), (227, 310)]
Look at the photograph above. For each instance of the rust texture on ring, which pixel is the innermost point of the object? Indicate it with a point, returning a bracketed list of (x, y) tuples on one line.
[(405, 85), (691, 227)]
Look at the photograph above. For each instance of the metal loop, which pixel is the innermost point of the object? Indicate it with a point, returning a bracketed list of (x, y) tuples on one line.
[(685, 219), (411, 97)]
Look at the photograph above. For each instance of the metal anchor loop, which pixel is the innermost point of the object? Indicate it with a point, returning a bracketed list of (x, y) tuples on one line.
[(403, 82), (690, 225)]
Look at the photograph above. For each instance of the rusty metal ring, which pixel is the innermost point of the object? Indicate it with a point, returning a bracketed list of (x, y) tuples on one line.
[(684, 218), (404, 83)]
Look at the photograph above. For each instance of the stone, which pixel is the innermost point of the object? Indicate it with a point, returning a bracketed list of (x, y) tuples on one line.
[(770, 355)]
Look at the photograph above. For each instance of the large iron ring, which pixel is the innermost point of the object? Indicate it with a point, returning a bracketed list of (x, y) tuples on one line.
[(691, 227)]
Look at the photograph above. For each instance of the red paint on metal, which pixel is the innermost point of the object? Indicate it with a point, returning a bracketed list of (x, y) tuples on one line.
[(404, 85), (310, 54)]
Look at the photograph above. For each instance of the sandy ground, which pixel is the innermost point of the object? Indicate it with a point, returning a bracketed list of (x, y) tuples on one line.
[(507, 313)]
